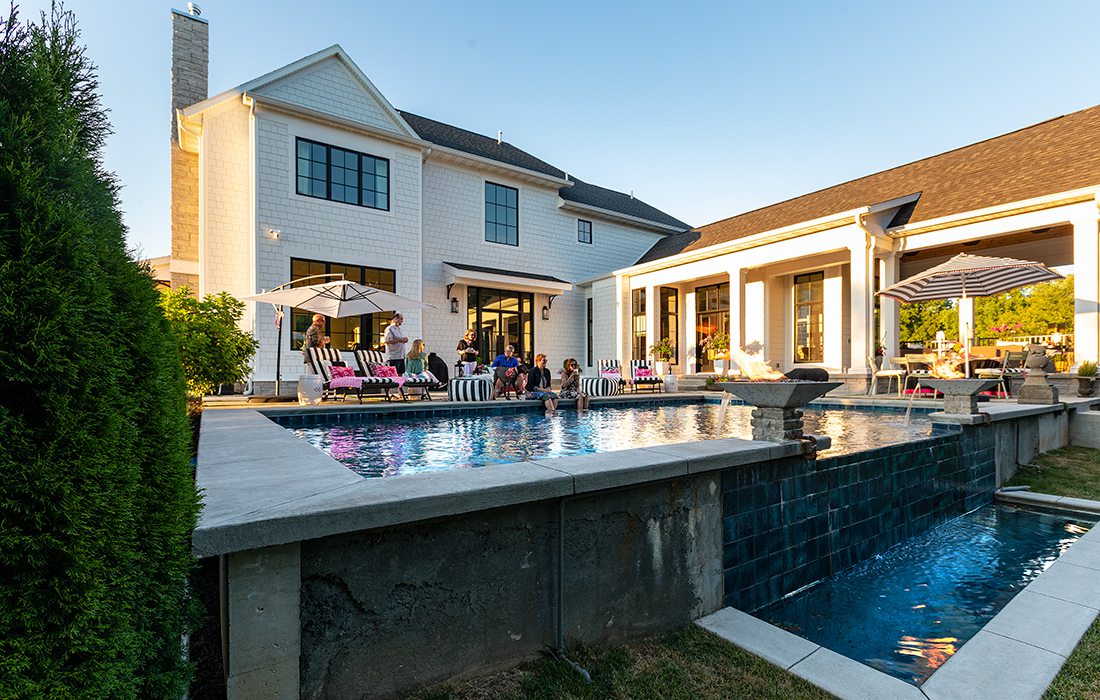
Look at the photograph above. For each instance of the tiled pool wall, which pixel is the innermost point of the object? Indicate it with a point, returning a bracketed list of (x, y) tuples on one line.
[(788, 523)]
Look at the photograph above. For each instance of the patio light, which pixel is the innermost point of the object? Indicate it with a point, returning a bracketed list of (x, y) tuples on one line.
[(454, 305)]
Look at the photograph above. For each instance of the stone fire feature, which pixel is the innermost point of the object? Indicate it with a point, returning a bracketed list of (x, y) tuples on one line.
[(960, 396), (777, 414)]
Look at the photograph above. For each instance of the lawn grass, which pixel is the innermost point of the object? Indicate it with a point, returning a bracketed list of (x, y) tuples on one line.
[(1070, 471), (689, 663)]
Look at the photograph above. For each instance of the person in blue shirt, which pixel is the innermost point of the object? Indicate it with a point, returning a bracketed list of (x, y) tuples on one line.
[(505, 372)]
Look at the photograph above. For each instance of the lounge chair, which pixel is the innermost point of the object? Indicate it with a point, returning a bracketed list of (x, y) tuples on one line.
[(322, 360), (613, 371), (642, 377), (369, 363)]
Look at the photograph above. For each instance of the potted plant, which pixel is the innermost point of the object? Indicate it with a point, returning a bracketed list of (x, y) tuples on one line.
[(662, 352), (719, 344), (880, 352), (1086, 375)]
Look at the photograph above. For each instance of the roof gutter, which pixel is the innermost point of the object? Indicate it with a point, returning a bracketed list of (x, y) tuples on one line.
[(999, 211), (617, 216)]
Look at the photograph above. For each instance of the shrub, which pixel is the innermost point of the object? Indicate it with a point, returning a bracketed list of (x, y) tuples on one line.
[(98, 498), (212, 348), (1086, 369)]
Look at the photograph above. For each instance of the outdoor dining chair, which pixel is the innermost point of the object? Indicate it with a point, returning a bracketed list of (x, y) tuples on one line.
[(890, 372), (1012, 364), (918, 367)]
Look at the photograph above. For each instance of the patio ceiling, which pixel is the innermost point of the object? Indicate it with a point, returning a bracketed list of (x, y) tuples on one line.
[(1052, 247)]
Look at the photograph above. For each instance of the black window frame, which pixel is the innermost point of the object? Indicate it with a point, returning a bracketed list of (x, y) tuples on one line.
[(638, 330), (366, 321), (809, 279), (670, 319), (581, 231), (589, 343), (497, 207), (361, 160)]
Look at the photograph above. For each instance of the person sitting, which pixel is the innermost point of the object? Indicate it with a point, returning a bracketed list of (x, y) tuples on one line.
[(506, 373), (571, 384), (538, 384), (416, 362), (468, 352)]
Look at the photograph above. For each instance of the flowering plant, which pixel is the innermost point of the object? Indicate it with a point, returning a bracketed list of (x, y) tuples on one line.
[(718, 343), (1006, 328), (880, 349)]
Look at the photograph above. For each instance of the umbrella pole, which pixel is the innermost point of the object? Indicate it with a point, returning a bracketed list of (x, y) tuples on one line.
[(279, 355)]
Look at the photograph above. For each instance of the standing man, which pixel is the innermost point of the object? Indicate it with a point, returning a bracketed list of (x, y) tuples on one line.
[(315, 336), (395, 343)]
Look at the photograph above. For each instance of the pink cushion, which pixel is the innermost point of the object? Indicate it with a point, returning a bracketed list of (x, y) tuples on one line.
[(611, 374), (339, 372), (643, 372), (384, 371)]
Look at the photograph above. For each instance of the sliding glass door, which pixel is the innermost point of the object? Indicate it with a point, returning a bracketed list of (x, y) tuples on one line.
[(501, 318)]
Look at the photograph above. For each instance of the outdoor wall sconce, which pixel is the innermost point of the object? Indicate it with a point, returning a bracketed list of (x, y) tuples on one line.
[(546, 313), (454, 305), (274, 234)]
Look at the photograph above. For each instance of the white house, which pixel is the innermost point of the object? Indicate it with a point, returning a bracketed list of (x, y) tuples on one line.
[(310, 170), (797, 279)]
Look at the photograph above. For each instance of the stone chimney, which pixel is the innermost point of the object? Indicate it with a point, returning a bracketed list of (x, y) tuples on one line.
[(190, 59)]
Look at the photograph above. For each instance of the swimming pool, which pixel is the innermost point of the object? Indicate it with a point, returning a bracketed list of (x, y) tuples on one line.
[(908, 610), (415, 442)]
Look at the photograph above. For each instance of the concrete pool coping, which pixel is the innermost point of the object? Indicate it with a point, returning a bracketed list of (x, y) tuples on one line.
[(1015, 655), (264, 486)]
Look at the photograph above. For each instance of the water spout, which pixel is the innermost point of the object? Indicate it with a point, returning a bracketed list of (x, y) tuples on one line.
[(726, 396)]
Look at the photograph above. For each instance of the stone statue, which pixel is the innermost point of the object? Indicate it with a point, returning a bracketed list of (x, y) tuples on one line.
[(1037, 360), (1035, 388)]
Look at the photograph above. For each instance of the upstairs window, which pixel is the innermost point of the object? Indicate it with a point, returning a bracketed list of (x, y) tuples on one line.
[(501, 214), (584, 231), (340, 175)]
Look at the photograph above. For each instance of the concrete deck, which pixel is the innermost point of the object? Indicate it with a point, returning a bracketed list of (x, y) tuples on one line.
[(1016, 655)]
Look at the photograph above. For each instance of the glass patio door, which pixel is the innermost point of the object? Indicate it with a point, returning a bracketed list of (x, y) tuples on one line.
[(712, 315), (500, 318)]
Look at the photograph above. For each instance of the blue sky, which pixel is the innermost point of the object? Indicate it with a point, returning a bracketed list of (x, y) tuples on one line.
[(702, 110)]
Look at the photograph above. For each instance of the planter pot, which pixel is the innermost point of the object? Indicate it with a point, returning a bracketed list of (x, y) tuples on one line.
[(661, 367), (720, 366), (1085, 386), (310, 389), (878, 362)]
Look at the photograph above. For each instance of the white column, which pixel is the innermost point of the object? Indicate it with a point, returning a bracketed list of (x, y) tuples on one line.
[(833, 308), (652, 310), (966, 319), (737, 318), (622, 318), (1086, 291), (755, 313), (687, 344), (860, 310), (887, 307)]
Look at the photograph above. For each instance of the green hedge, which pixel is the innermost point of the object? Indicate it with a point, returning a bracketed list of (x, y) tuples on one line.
[(97, 498)]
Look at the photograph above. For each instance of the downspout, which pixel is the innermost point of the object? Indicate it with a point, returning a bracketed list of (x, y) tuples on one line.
[(251, 103)]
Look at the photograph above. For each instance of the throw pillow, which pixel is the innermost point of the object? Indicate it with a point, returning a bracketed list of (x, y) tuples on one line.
[(643, 372), (611, 374), (383, 371), (340, 371)]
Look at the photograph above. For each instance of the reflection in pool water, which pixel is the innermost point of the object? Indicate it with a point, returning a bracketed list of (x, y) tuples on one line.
[(411, 443), (906, 611)]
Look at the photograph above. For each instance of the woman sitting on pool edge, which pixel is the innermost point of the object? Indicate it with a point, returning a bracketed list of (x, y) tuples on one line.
[(506, 374), (538, 384), (571, 384)]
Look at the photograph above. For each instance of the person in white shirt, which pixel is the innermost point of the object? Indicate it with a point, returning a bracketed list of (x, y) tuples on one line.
[(395, 341)]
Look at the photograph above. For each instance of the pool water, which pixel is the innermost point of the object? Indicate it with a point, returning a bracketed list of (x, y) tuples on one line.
[(908, 610), (411, 443)]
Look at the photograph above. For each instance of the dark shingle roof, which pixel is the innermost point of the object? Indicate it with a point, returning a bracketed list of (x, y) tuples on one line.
[(499, 271), (582, 193), (476, 144), (1057, 155), (596, 196)]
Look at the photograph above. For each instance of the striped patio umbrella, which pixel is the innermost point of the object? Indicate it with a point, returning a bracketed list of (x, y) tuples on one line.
[(966, 276)]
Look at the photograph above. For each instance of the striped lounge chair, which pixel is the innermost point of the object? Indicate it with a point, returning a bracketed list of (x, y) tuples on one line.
[(321, 360), (653, 383), (601, 385), (366, 359)]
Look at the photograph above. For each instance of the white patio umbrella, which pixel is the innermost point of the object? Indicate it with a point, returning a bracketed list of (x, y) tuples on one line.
[(965, 276), (337, 299)]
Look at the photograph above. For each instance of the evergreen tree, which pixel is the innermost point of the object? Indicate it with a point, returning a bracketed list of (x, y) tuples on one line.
[(97, 498)]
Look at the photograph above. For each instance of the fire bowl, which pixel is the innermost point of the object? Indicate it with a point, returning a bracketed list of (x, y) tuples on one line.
[(779, 394), (959, 387)]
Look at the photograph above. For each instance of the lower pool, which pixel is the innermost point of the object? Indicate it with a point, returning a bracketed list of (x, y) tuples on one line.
[(908, 610), (413, 442)]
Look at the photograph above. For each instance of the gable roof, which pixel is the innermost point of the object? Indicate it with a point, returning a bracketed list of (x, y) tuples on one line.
[(1056, 155), (581, 192)]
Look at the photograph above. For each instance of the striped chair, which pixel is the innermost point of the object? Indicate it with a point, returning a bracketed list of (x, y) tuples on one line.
[(476, 388), (1012, 365), (600, 386), (602, 367), (383, 385), (366, 358), (653, 383), (321, 359)]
